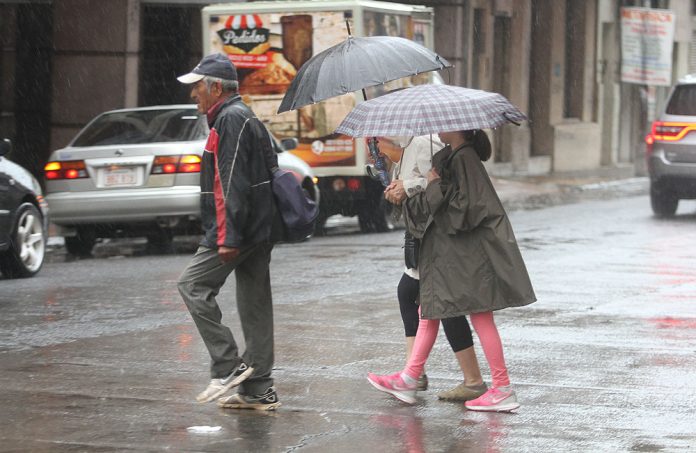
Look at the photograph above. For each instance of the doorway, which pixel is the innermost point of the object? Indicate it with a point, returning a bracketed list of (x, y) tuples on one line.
[(171, 44), (32, 86)]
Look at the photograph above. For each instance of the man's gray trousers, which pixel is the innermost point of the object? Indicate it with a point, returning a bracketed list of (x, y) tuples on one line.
[(201, 282)]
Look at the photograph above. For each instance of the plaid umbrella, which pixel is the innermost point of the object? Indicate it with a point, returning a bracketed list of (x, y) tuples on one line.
[(429, 109)]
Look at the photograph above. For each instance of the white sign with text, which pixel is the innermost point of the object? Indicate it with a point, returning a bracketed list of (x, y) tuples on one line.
[(647, 38)]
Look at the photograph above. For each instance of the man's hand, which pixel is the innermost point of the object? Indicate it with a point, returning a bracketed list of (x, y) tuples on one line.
[(395, 192), (227, 254)]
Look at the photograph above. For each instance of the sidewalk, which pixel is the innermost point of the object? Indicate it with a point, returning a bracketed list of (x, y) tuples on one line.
[(535, 192)]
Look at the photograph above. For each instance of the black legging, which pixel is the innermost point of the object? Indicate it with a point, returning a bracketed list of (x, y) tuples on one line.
[(457, 329)]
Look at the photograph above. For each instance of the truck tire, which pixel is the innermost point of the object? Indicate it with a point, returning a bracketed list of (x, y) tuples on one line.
[(374, 216), (160, 243), (664, 203), (320, 225), (82, 243)]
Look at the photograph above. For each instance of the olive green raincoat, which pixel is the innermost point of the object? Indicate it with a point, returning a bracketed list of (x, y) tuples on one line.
[(469, 259)]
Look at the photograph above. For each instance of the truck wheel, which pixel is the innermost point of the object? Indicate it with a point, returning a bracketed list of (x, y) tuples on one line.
[(664, 203), (25, 256), (82, 243), (320, 225), (161, 242), (373, 216)]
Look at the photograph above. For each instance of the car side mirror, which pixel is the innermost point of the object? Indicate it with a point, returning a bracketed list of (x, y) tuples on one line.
[(5, 146), (289, 143)]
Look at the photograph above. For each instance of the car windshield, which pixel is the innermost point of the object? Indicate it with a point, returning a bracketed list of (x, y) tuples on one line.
[(683, 101), (144, 126)]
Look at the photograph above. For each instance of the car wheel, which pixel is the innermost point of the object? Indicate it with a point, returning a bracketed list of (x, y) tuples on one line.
[(28, 247), (82, 243), (664, 203)]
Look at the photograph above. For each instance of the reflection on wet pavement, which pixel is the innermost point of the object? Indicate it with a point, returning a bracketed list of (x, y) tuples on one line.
[(101, 355)]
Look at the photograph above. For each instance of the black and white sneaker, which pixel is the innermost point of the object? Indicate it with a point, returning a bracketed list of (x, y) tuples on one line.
[(267, 401), (220, 386)]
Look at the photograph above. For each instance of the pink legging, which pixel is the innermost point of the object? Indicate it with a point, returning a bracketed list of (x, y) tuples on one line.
[(484, 324)]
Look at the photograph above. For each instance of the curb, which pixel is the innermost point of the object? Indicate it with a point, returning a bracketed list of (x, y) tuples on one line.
[(552, 194)]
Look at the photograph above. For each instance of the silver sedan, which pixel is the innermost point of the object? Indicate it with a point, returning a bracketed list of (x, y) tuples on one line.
[(135, 172)]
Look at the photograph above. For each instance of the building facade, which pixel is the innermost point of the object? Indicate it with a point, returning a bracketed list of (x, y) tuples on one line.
[(64, 61), (560, 61)]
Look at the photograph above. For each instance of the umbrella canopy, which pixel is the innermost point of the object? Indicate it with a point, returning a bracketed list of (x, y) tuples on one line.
[(429, 109), (358, 63)]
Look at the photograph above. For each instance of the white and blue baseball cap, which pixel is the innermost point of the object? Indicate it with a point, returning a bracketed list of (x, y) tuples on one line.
[(215, 65)]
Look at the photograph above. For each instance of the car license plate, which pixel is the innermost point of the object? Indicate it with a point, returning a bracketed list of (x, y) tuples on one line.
[(120, 176)]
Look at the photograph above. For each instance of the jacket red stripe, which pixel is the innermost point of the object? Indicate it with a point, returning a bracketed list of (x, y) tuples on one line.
[(211, 146), (220, 210)]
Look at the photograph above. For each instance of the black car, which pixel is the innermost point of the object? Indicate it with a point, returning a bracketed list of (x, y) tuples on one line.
[(23, 219)]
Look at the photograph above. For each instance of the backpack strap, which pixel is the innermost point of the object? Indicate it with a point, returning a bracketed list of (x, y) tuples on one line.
[(246, 110)]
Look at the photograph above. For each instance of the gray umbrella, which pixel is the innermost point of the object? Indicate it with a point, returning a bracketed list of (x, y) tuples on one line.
[(358, 63), (429, 109)]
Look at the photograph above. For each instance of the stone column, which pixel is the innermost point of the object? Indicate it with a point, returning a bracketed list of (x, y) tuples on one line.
[(589, 63), (546, 73), (132, 69), (517, 140), (608, 66), (95, 62), (451, 41)]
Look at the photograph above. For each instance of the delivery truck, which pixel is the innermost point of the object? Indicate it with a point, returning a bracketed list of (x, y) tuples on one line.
[(269, 41)]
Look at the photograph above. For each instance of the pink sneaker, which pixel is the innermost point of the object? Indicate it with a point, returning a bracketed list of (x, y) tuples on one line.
[(494, 400), (394, 385)]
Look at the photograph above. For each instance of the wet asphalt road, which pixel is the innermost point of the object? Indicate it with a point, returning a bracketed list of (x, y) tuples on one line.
[(100, 355)]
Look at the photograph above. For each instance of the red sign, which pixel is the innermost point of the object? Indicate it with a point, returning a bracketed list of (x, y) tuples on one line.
[(251, 61)]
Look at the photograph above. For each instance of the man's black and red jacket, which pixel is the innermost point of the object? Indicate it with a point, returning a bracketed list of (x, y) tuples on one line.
[(237, 204)]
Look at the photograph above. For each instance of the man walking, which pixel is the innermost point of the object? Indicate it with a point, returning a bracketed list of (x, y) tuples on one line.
[(237, 212)]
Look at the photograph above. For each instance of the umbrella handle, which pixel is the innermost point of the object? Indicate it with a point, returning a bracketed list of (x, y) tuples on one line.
[(380, 164)]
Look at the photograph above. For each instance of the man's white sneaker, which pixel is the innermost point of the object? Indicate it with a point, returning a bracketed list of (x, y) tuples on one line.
[(219, 386)]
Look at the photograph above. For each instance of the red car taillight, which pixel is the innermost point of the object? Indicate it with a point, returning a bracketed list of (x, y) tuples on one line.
[(649, 142), (189, 163), (671, 131), (69, 169)]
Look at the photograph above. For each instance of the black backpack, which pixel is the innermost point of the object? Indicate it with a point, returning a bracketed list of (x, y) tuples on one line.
[(298, 212)]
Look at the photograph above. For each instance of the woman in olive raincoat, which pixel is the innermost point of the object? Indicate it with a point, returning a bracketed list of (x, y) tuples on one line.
[(469, 262)]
